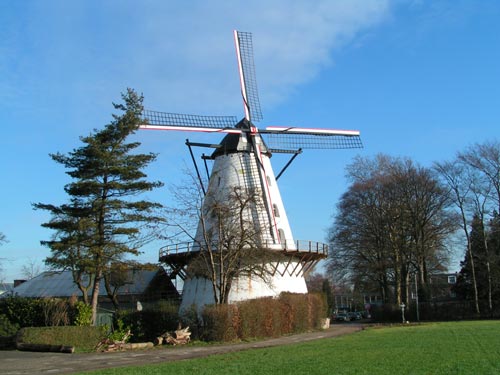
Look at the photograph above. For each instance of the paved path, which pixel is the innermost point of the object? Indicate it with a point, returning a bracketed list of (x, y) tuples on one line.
[(17, 362)]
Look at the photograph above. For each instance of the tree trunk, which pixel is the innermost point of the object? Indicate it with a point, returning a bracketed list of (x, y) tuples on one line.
[(44, 348), (473, 271), (112, 294), (488, 268), (95, 296)]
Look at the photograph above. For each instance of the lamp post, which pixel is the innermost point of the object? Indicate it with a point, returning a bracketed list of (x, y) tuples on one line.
[(403, 311), (416, 297)]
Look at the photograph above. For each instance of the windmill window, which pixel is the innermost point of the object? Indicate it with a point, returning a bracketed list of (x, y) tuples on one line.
[(282, 237), (268, 180), (276, 211)]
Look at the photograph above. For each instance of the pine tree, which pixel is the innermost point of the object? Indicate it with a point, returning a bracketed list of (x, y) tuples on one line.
[(463, 287), (102, 223), (494, 247)]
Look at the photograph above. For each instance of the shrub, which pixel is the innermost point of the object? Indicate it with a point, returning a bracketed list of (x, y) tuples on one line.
[(56, 312), (7, 328), (151, 322), (120, 332), (83, 314), (260, 318), (26, 312), (220, 323), (189, 317), (38, 312), (83, 338)]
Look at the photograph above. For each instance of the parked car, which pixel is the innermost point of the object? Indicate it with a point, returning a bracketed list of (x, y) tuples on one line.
[(342, 317), (356, 315)]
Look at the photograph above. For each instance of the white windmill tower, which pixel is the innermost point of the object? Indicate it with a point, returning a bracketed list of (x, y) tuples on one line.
[(242, 161)]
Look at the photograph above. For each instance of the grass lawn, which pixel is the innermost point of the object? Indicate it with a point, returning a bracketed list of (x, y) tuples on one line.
[(434, 348)]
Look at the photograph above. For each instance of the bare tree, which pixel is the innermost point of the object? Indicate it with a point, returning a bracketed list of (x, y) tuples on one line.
[(483, 160), (392, 222), (460, 184), (31, 269), (3, 240), (227, 243)]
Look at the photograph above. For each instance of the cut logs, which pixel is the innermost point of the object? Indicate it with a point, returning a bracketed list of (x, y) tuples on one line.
[(182, 337)]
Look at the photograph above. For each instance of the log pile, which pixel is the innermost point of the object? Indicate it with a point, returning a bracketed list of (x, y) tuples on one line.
[(182, 337), (109, 345), (45, 348)]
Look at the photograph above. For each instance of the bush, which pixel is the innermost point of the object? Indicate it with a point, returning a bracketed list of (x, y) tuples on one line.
[(83, 314), (25, 312), (220, 323), (151, 322), (38, 312), (7, 328), (83, 338), (190, 318)]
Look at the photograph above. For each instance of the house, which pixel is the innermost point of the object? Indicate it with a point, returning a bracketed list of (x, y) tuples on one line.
[(441, 286), (135, 286)]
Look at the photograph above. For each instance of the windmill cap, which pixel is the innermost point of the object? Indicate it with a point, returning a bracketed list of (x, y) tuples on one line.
[(233, 143)]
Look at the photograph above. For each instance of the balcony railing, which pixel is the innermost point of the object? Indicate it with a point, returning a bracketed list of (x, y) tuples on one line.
[(287, 246)]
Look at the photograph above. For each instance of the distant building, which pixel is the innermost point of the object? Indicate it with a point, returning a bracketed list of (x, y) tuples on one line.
[(137, 286), (441, 286)]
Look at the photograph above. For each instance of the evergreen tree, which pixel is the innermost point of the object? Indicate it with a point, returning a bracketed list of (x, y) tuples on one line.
[(494, 247), (463, 287), (102, 223)]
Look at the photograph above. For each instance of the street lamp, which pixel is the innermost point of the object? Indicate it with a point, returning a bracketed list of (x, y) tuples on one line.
[(403, 311)]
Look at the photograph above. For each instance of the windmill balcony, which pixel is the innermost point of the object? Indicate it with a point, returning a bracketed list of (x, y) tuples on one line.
[(288, 247), (306, 253)]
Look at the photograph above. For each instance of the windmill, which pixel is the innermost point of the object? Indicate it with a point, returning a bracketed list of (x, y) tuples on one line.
[(242, 161)]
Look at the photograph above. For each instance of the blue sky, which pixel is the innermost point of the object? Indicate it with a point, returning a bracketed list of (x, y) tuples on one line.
[(418, 78)]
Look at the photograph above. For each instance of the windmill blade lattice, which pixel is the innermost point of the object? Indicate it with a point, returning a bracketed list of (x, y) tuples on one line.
[(289, 141), (190, 121), (248, 78)]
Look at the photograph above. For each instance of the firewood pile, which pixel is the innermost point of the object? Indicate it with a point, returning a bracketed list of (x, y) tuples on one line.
[(182, 337), (110, 345)]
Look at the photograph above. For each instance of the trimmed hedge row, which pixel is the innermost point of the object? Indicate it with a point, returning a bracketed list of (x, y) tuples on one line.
[(258, 318), (83, 338), (39, 312), (263, 317)]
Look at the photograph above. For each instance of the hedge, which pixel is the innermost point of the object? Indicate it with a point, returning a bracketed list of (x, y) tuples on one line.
[(83, 338), (263, 317)]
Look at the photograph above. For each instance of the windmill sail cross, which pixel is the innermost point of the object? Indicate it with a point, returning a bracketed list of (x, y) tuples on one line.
[(242, 161)]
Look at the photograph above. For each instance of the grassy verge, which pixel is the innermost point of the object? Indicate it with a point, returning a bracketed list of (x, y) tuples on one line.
[(438, 348)]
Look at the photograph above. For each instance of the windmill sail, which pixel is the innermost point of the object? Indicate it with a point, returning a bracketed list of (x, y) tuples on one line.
[(248, 80)]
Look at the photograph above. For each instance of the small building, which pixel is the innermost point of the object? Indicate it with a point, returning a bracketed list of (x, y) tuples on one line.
[(142, 286), (441, 286)]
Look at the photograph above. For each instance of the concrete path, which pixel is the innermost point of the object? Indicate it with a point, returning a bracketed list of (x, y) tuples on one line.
[(17, 362)]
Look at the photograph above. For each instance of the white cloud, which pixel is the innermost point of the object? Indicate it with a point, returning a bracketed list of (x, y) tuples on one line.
[(179, 54), (293, 41)]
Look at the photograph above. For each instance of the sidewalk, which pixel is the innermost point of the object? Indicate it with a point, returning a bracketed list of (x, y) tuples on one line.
[(17, 362)]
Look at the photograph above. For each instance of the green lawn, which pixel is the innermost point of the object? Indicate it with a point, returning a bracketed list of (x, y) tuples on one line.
[(434, 348)]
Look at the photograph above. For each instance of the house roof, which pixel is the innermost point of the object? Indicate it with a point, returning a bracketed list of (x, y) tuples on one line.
[(60, 284)]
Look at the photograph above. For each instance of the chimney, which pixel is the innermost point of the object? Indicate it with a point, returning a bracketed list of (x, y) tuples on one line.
[(18, 282)]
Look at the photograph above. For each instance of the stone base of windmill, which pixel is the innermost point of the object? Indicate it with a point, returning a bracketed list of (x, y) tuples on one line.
[(199, 292)]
